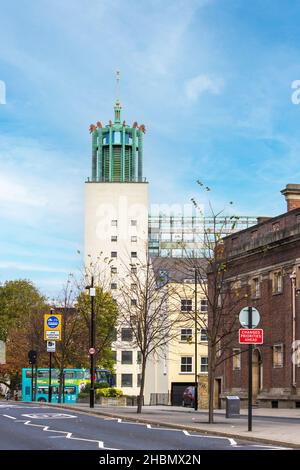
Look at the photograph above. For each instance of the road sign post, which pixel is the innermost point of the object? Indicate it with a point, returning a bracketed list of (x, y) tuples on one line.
[(52, 333), (52, 327), (250, 375), (51, 346), (249, 319)]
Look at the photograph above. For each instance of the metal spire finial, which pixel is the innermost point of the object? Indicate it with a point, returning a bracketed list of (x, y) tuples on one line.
[(118, 87)]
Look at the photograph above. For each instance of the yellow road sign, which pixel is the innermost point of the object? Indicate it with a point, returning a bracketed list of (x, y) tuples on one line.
[(52, 327)]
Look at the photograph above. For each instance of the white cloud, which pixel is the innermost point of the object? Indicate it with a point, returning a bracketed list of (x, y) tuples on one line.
[(14, 191), (30, 267), (196, 86)]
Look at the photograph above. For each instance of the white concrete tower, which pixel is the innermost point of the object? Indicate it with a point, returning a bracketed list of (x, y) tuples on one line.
[(116, 221)]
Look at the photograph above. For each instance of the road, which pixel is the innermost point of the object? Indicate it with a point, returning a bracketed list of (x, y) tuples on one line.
[(33, 427)]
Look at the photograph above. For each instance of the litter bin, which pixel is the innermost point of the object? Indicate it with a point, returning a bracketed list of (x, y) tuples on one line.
[(232, 407)]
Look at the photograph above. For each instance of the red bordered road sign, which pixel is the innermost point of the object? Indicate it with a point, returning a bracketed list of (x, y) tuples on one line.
[(92, 351), (251, 336)]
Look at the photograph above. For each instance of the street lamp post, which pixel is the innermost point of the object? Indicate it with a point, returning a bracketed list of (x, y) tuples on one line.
[(92, 292), (196, 343)]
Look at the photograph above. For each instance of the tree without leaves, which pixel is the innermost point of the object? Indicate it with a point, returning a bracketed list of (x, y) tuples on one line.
[(151, 317), (224, 298)]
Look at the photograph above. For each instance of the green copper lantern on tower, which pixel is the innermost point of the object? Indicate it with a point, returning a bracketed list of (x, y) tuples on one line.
[(117, 150)]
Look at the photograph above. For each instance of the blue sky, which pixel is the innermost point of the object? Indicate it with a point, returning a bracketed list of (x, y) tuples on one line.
[(211, 80)]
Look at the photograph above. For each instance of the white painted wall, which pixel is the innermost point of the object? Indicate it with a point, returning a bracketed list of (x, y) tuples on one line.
[(121, 202)]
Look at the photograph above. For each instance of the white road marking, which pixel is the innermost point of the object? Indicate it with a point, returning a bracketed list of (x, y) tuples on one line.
[(231, 441), (68, 435), (49, 416), (11, 417), (113, 419)]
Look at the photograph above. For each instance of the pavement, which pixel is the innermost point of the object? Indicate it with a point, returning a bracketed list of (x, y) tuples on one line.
[(34, 426), (276, 427)]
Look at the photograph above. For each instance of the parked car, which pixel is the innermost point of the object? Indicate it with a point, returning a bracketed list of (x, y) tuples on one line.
[(188, 397)]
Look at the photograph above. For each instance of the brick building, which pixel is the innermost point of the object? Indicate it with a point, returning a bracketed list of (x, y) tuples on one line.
[(263, 264)]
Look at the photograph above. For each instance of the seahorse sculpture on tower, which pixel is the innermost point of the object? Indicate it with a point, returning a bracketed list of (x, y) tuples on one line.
[(92, 128)]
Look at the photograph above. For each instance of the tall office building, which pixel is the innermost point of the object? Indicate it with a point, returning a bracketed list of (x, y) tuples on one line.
[(116, 222)]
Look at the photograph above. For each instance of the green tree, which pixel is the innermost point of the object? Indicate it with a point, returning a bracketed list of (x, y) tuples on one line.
[(21, 322), (106, 314)]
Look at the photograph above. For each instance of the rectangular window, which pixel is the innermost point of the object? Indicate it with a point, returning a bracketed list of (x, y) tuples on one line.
[(186, 364), (203, 305), (277, 282), (163, 277), (186, 334), (69, 375), (236, 359), (139, 357), (186, 305), (255, 287), (204, 364), (43, 374), (133, 239), (276, 226), (126, 334), (114, 238), (133, 270), (117, 137), (114, 223), (113, 285), (138, 380), (114, 254), (126, 357), (278, 355), (133, 254), (133, 302), (113, 270), (126, 380), (133, 286), (133, 223), (203, 335)]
